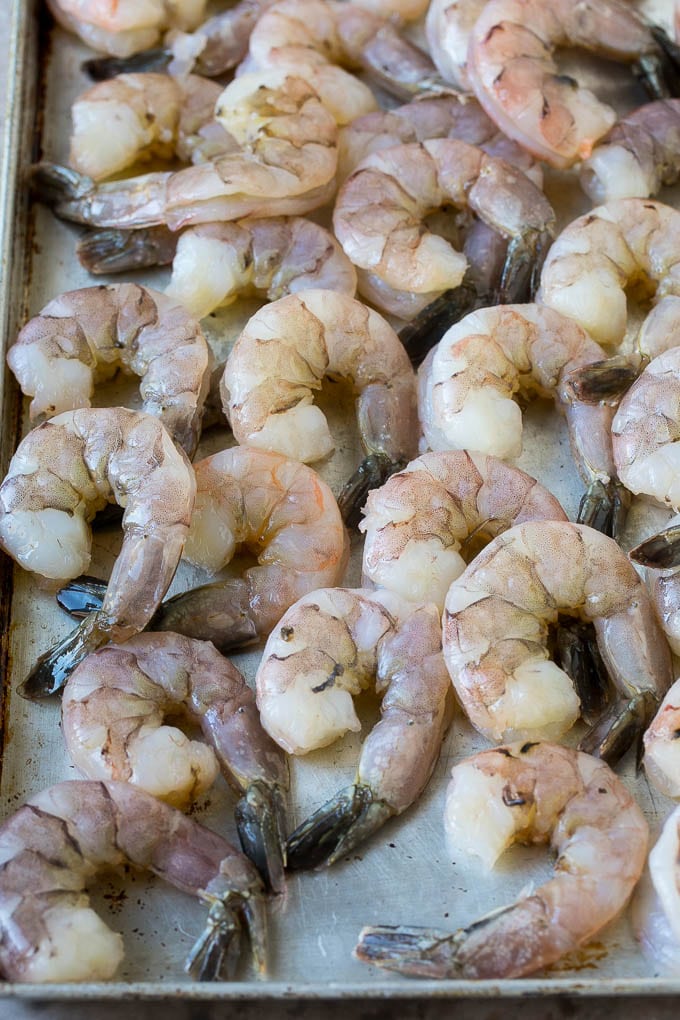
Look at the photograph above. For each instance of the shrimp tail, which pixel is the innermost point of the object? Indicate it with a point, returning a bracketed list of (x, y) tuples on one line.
[(119, 251), (82, 596), (373, 472), (417, 952), (428, 327), (659, 72), (217, 951), (621, 727), (604, 507), (604, 380), (103, 68), (661, 550), (58, 186), (522, 267), (53, 669), (339, 825), (259, 819), (217, 612), (579, 656)]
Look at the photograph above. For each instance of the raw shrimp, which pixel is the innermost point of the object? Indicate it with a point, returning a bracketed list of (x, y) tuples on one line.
[(448, 27), (113, 708), (138, 116), (664, 935), (496, 633), (380, 211), (86, 335), (640, 154), (125, 26), (282, 356), (468, 382), (52, 846), (286, 166), (406, 10), (512, 72), (328, 647), (277, 509), (661, 554), (62, 473), (420, 522), (528, 793), (662, 752)]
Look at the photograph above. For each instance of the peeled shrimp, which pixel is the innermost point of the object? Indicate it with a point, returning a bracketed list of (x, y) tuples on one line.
[(125, 26), (640, 154), (113, 708), (448, 27), (380, 211), (328, 647), (53, 845), (496, 631), (468, 382), (418, 524), (138, 116), (62, 473), (528, 793), (286, 166), (282, 356), (511, 69), (84, 336)]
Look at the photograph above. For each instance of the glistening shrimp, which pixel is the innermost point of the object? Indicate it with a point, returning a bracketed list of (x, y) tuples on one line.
[(328, 647), (113, 708), (62, 473), (528, 793), (126, 26), (53, 845)]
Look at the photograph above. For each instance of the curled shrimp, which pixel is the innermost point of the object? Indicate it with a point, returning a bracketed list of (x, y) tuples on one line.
[(328, 647), (468, 383), (282, 356), (62, 473), (448, 27), (662, 754), (380, 211), (497, 623), (126, 26), (638, 156), (135, 117), (52, 846), (113, 708), (286, 166), (528, 793), (84, 336), (512, 72), (420, 523)]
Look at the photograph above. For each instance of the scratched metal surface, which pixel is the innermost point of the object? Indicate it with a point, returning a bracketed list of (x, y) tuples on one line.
[(404, 874)]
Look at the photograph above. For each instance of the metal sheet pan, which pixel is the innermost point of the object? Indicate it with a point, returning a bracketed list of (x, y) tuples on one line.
[(403, 875)]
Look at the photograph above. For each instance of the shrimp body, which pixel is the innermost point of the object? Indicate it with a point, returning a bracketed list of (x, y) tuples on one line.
[(329, 646), (124, 27), (52, 847), (528, 793), (134, 117), (419, 522), (83, 336), (380, 210), (113, 707), (468, 383), (448, 27), (496, 626), (662, 755), (512, 72), (640, 154), (663, 870)]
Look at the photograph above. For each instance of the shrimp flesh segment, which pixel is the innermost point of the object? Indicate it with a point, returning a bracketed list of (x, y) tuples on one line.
[(420, 525), (380, 211), (53, 845), (125, 27), (496, 633), (135, 117), (640, 154), (663, 871), (83, 336), (328, 647), (113, 708), (62, 473), (448, 27), (512, 72), (282, 356), (528, 793), (468, 383), (662, 753), (286, 166)]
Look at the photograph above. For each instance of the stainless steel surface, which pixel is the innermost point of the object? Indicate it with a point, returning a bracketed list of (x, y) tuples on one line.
[(403, 875)]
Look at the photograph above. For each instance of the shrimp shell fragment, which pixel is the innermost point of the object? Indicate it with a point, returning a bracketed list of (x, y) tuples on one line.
[(83, 336), (528, 793), (496, 629), (53, 845)]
